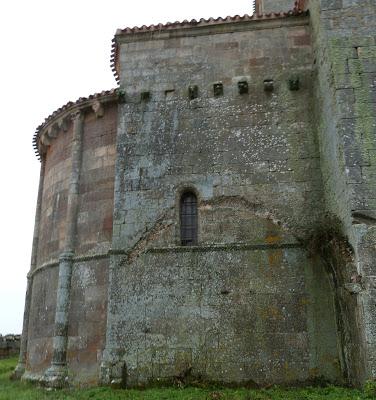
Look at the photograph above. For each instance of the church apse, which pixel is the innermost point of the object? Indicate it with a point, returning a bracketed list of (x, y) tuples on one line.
[(211, 219)]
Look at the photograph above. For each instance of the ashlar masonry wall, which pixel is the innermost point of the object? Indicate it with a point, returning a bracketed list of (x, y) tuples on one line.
[(270, 121), (247, 303), (85, 303), (345, 86)]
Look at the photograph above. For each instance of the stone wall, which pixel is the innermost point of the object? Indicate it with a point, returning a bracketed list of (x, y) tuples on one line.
[(94, 230), (270, 121), (344, 45), (41, 320), (247, 303), (86, 290), (9, 346), (244, 315), (87, 318), (54, 198)]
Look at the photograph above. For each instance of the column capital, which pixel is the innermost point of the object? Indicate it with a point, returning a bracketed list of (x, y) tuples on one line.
[(66, 256), (76, 115)]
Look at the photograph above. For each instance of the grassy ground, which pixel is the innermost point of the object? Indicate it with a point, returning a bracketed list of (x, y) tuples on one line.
[(11, 390)]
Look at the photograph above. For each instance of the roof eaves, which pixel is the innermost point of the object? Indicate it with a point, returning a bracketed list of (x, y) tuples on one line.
[(82, 102)]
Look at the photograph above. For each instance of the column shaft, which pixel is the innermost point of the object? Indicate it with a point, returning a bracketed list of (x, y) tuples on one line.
[(57, 373)]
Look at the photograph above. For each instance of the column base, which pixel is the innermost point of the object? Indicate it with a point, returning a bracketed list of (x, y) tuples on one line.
[(113, 370), (18, 371), (56, 376)]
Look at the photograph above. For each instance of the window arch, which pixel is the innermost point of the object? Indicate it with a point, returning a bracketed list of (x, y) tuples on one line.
[(188, 219)]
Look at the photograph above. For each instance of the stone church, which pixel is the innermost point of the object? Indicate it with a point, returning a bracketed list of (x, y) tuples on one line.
[(214, 217)]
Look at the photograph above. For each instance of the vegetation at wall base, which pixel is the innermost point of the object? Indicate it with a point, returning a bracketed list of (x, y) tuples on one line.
[(15, 390)]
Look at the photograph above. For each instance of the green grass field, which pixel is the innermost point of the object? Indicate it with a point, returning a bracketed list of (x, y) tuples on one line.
[(10, 390)]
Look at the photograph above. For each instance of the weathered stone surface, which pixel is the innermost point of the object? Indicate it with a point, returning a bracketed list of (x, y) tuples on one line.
[(271, 124), (229, 313), (67, 315), (344, 39)]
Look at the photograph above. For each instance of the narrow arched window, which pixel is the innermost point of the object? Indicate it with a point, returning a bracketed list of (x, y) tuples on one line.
[(188, 219)]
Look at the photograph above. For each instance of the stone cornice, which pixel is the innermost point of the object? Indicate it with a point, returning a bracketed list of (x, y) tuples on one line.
[(60, 119)]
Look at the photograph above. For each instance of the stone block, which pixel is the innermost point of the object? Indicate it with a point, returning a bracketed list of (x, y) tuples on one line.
[(331, 5)]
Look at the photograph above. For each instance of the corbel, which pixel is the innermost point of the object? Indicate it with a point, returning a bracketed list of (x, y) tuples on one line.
[(53, 131), (268, 85), (45, 139), (97, 107), (218, 89), (243, 87), (63, 124), (145, 96), (193, 92), (294, 83)]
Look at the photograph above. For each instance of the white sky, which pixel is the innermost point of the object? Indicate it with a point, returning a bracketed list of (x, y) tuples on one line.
[(52, 52)]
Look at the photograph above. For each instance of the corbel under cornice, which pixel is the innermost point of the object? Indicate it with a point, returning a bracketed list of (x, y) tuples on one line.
[(60, 120)]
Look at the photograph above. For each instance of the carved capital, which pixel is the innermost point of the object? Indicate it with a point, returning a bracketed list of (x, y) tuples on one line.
[(76, 115)]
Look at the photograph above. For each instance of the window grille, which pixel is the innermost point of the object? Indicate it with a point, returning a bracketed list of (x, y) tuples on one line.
[(188, 219)]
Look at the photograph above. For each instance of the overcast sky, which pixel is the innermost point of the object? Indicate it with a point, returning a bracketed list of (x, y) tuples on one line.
[(52, 52)]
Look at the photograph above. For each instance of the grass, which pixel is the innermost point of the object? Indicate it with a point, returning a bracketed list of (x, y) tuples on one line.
[(16, 390)]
